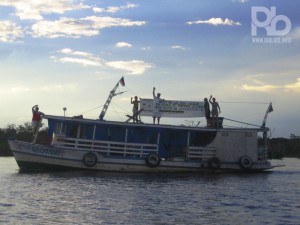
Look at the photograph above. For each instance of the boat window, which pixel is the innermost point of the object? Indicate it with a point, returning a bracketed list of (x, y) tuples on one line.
[(202, 138), (71, 130), (110, 133), (86, 131), (60, 128), (142, 135), (173, 143)]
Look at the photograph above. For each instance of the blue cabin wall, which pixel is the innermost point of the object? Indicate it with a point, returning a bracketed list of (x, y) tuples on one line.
[(172, 141)]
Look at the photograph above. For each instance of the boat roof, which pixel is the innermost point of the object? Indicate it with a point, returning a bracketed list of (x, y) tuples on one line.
[(162, 126)]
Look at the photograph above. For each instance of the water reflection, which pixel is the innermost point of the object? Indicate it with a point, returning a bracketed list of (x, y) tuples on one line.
[(132, 198)]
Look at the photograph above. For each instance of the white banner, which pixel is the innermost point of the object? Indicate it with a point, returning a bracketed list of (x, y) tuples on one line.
[(172, 108)]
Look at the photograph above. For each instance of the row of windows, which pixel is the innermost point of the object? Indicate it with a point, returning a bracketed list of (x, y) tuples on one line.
[(148, 135)]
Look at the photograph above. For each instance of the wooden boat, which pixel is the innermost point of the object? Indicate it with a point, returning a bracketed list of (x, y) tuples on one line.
[(99, 145)]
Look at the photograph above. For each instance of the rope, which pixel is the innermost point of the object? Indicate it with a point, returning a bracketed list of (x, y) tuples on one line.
[(261, 103), (242, 122), (91, 109), (113, 106), (131, 91)]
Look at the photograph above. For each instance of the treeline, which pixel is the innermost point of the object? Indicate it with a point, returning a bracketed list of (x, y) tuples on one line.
[(283, 147), (21, 133), (278, 147)]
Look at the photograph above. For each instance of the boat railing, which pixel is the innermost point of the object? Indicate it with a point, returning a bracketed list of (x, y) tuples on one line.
[(262, 154), (201, 152), (106, 147)]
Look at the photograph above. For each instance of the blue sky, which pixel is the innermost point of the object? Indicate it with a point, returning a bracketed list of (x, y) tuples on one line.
[(69, 53)]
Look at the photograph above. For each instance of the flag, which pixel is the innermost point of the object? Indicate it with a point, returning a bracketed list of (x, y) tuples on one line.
[(122, 81), (270, 109)]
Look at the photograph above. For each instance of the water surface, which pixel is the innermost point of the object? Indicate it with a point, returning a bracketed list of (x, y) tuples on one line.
[(124, 198)]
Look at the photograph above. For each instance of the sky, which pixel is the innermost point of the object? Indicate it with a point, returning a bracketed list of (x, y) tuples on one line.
[(71, 53)]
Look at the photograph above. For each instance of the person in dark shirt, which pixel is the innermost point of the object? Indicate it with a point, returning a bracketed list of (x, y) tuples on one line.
[(207, 112)]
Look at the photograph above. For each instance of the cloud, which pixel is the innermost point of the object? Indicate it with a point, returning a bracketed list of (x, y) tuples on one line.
[(78, 57), (134, 67), (240, 1), (123, 44), (294, 87), (146, 48), (34, 10), (178, 47), (9, 31), (268, 88), (66, 55), (74, 28), (65, 27), (216, 22), (116, 9), (84, 62), (262, 88), (19, 89)]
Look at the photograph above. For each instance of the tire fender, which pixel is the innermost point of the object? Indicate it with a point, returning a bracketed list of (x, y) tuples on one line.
[(89, 159), (152, 160)]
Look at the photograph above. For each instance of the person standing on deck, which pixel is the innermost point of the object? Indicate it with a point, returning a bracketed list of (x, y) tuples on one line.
[(135, 109), (156, 113), (207, 112), (215, 110), (36, 119)]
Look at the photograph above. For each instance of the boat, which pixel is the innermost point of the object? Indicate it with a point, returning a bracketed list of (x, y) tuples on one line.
[(84, 144)]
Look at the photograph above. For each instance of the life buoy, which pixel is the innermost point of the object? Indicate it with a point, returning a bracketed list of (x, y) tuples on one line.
[(214, 163), (246, 162), (152, 160), (90, 159)]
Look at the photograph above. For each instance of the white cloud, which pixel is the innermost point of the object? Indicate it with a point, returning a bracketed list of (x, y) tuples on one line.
[(294, 87), (123, 44), (19, 89), (134, 67), (240, 1), (216, 22), (78, 53), (65, 27), (34, 10), (98, 10), (262, 88), (146, 48), (178, 47), (268, 88), (104, 22), (9, 31), (74, 28), (66, 55), (116, 9), (78, 57), (84, 62)]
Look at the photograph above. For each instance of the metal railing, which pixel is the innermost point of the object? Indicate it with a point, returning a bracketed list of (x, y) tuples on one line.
[(200, 152), (105, 147)]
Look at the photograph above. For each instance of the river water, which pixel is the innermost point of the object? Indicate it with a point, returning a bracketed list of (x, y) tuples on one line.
[(112, 198)]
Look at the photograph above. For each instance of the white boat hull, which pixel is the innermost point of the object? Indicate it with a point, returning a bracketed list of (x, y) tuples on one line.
[(41, 157)]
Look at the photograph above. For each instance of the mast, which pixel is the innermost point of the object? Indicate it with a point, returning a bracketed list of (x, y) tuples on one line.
[(270, 109), (110, 96)]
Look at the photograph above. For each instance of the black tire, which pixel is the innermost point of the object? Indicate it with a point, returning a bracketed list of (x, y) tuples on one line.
[(246, 162), (89, 159), (152, 160), (214, 163)]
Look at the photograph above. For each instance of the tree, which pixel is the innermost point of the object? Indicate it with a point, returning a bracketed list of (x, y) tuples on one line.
[(21, 133)]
